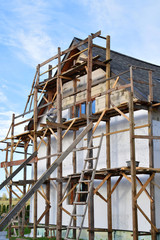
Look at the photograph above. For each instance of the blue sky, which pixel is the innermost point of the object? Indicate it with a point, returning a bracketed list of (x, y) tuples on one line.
[(32, 30)]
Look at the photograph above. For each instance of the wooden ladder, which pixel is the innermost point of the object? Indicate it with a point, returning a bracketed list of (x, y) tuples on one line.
[(87, 162)]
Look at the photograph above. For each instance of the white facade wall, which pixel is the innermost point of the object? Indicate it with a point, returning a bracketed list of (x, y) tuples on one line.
[(121, 198)]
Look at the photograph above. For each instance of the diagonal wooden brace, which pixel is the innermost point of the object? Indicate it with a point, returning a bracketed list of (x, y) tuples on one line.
[(144, 186)]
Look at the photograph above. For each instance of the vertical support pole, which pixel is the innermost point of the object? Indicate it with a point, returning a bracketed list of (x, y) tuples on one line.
[(109, 205), (48, 163), (24, 191), (131, 78), (59, 149), (133, 167), (35, 149), (74, 154), (11, 169), (151, 165), (150, 87), (89, 135)]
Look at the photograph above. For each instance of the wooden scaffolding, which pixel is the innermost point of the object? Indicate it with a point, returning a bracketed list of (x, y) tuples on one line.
[(48, 92)]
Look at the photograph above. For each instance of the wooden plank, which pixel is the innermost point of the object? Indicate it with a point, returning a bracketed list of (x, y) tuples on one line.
[(120, 131), (71, 190), (43, 214), (67, 212), (17, 170), (102, 182), (53, 133), (148, 195), (100, 195), (69, 127), (131, 79), (147, 218), (27, 120), (114, 187), (119, 111), (43, 178), (59, 147), (11, 169), (144, 186), (133, 166), (35, 124), (147, 137), (42, 139), (108, 157), (44, 196), (45, 99), (55, 125), (115, 83), (68, 182), (128, 178), (16, 163), (150, 87), (71, 48), (100, 118)]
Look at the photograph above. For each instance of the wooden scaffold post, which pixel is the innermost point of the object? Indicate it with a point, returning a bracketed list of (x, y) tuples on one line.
[(59, 149), (108, 161), (11, 169), (89, 112), (151, 156), (48, 162), (35, 148), (132, 158)]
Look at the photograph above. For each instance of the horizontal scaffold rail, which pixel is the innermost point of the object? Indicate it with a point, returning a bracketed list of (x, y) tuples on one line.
[(5, 182), (6, 220)]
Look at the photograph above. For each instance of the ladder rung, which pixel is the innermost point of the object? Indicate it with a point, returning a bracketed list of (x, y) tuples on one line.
[(79, 203), (89, 148), (85, 181), (88, 170), (93, 158), (71, 227), (77, 215), (82, 192)]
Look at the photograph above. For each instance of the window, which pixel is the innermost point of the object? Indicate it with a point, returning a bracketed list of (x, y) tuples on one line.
[(81, 109)]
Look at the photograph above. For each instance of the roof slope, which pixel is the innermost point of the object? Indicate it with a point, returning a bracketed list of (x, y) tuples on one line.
[(121, 62)]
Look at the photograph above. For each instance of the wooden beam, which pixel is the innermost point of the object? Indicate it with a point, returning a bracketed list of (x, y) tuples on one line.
[(59, 148), (144, 186), (43, 214), (100, 118), (146, 137), (114, 187), (151, 165), (17, 170), (70, 49), (133, 166), (147, 218), (150, 87), (108, 160), (43, 178), (55, 125), (102, 182), (115, 83), (71, 190), (148, 195), (119, 111), (69, 127)]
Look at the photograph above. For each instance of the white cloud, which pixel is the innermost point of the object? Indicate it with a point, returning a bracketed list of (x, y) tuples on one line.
[(25, 29)]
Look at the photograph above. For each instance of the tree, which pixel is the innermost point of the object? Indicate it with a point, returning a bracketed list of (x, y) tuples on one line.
[(4, 196)]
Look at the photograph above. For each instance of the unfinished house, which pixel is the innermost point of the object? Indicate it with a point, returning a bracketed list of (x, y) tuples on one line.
[(95, 168)]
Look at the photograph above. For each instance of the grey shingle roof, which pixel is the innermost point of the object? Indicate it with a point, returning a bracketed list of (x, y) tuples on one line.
[(121, 62)]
